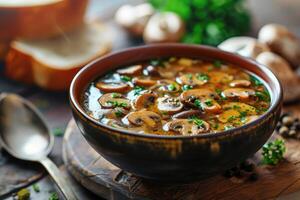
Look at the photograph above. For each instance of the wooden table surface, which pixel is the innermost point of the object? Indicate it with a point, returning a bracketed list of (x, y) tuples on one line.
[(54, 105)]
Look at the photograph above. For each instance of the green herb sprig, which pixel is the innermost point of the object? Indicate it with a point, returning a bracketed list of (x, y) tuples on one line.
[(273, 152), (209, 21)]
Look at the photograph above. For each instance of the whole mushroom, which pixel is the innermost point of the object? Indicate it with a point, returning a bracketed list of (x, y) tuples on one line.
[(134, 18), (281, 41), (164, 27)]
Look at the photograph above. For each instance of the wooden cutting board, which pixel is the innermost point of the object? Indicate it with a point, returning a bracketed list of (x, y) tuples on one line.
[(110, 182)]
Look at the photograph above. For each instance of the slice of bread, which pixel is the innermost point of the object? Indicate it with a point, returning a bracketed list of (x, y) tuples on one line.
[(39, 18), (52, 63)]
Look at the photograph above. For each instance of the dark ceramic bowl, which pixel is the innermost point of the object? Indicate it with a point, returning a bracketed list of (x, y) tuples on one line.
[(174, 158)]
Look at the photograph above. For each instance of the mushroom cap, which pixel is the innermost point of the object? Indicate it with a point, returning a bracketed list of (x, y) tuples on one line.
[(240, 83), (191, 79), (146, 82), (113, 87), (132, 70), (187, 127), (164, 27), (144, 100), (134, 18), (240, 93), (112, 100), (169, 104), (143, 118), (281, 41)]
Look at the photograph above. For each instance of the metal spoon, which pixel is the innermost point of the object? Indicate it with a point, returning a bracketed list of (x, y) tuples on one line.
[(25, 135)]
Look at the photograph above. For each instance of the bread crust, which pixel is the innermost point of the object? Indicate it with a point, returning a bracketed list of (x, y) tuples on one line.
[(25, 68), (41, 21)]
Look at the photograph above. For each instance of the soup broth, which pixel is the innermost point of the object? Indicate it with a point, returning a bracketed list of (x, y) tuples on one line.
[(177, 96)]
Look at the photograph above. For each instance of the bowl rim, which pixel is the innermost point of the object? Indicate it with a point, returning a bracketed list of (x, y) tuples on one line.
[(265, 70)]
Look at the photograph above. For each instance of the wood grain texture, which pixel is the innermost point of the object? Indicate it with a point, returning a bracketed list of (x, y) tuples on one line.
[(104, 179)]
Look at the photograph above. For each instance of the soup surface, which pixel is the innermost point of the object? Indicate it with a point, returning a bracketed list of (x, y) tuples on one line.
[(177, 96)]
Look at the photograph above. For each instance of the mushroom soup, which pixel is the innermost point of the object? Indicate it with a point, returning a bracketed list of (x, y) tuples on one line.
[(177, 96)]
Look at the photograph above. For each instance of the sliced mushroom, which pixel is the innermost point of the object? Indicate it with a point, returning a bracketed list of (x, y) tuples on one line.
[(168, 86), (281, 41), (146, 82), (204, 98), (144, 118), (192, 79), (164, 27), (144, 101), (113, 100), (240, 93), (187, 127), (116, 113), (169, 104), (170, 71), (134, 18), (188, 113), (132, 70), (240, 83), (113, 87)]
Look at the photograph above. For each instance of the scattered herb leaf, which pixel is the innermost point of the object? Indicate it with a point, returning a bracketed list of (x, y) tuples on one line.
[(208, 102), (36, 187), (203, 77), (138, 90), (255, 81), (217, 63), (171, 87), (117, 104), (187, 87), (58, 132), (199, 122), (263, 96), (53, 196), (198, 103), (125, 78)]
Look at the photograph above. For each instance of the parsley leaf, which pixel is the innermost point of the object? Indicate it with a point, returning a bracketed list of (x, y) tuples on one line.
[(187, 87), (272, 152), (125, 78), (203, 77), (255, 81), (138, 90), (199, 122), (217, 63)]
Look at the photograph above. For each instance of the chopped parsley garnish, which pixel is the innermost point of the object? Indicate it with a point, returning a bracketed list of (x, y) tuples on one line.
[(125, 78), (36, 188), (187, 87), (117, 104), (118, 113), (138, 90), (227, 127), (58, 132), (208, 102), (272, 152), (189, 76), (219, 92), (198, 103), (172, 87), (217, 63), (203, 77), (216, 126), (232, 118), (263, 96), (157, 62), (199, 122), (235, 107), (53, 196), (255, 81), (115, 95)]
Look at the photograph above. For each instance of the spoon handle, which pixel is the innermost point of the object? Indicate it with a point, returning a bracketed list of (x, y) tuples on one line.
[(61, 182)]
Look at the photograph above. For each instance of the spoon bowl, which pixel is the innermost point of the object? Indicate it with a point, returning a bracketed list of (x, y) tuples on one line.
[(25, 135), (19, 137)]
